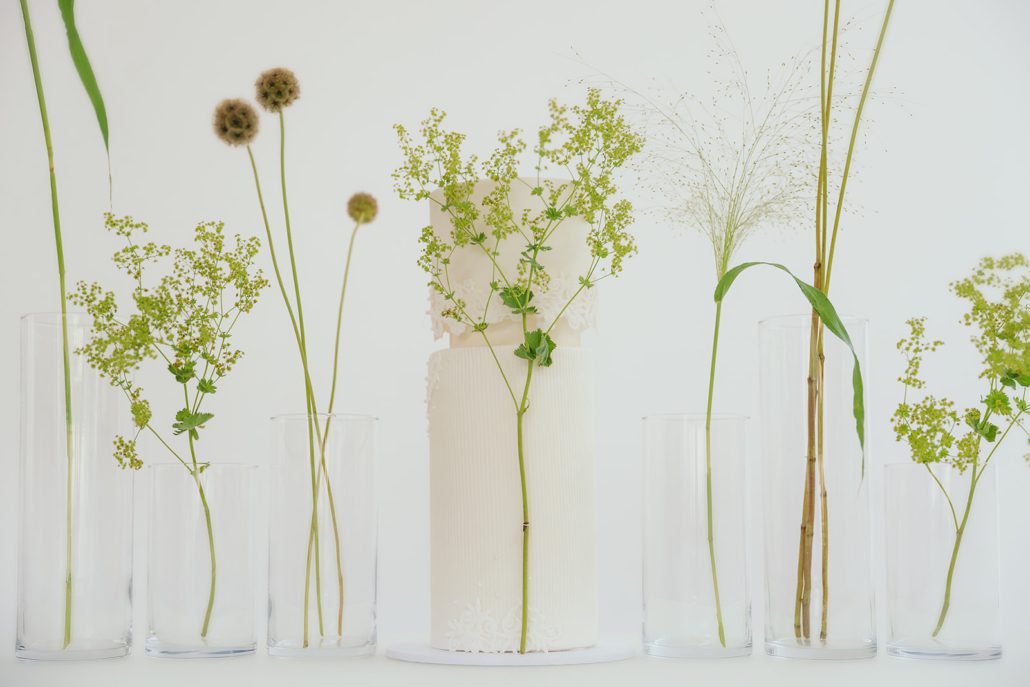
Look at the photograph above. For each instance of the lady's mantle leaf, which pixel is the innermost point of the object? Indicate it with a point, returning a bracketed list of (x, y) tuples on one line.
[(537, 348)]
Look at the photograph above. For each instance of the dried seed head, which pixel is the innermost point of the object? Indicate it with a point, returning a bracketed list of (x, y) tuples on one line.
[(362, 208), (277, 88), (235, 122)]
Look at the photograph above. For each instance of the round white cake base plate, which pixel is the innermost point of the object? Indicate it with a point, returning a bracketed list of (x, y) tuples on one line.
[(423, 653)]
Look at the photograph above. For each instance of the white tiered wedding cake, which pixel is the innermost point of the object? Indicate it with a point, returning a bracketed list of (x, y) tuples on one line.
[(476, 507)]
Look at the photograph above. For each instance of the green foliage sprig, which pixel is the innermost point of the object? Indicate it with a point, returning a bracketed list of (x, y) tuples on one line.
[(933, 428), (185, 319), (998, 301), (587, 144)]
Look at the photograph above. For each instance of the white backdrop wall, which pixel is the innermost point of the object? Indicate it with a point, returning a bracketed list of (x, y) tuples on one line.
[(943, 182)]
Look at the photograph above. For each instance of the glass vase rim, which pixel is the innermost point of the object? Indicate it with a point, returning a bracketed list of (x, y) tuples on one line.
[(344, 417), (235, 465), (669, 417), (53, 317), (801, 319)]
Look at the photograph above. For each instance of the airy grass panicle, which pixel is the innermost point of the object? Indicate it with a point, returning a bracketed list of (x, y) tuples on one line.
[(728, 168), (997, 295)]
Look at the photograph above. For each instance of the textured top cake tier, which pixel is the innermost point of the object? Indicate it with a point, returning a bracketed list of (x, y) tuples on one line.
[(471, 270)]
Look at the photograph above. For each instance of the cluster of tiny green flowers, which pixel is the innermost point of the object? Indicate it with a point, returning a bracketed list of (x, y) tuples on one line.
[(126, 453), (998, 296), (588, 143), (184, 318), (1002, 324)]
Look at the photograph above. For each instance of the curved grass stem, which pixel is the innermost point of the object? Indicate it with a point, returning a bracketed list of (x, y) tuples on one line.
[(708, 476), (65, 355)]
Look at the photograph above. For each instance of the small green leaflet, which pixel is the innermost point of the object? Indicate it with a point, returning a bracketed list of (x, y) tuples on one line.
[(206, 386), (517, 298), (537, 348), (828, 314), (1011, 378), (182, 374), (190, 422), (82, 66)]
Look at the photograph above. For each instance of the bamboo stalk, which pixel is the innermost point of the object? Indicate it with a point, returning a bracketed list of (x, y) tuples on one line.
[(824, 514)]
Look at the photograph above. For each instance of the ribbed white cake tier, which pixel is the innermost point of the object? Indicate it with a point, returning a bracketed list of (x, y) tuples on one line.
[(476, 508)]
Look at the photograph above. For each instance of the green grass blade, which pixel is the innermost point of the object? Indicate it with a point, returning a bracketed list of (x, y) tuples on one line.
[(828, 314), (83, 67)]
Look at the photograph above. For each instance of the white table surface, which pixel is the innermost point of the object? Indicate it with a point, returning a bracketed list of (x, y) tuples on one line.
[(260, 670)]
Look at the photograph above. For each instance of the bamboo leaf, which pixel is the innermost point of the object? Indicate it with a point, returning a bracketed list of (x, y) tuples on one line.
[(828, 314), (82, 66)]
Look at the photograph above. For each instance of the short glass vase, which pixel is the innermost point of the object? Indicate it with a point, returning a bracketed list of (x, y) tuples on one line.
[(322, 536), (697, 601), (201, 561), (942, 562)]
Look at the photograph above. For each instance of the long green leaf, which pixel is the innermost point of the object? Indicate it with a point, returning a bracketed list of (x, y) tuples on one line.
[(828, 314), (82, 66)]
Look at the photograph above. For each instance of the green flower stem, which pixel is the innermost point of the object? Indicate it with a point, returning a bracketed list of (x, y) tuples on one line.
[(195, 473), (708, 475), (211, 550), (959, 532), (520, 414), (59, 244), (328, 421), (271, 248), (313, 531), (339, 327), (309, 400), (314, 431), (974, 480), (523, 407)]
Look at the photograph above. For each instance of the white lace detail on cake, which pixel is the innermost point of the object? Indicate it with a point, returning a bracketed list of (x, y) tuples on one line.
[(580, 315), (478, 630), (432, 379)]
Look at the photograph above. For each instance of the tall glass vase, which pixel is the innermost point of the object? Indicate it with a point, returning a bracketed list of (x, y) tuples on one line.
[(819, 592), (685, 562), (322, 536), (200, 569), (75, 533), (942, 562)]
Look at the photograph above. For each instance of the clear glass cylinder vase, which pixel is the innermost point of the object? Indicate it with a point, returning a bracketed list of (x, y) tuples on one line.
[(697, 601), (322, 536), (819, 591), (201, 561), (941, 545), (75, 534)]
